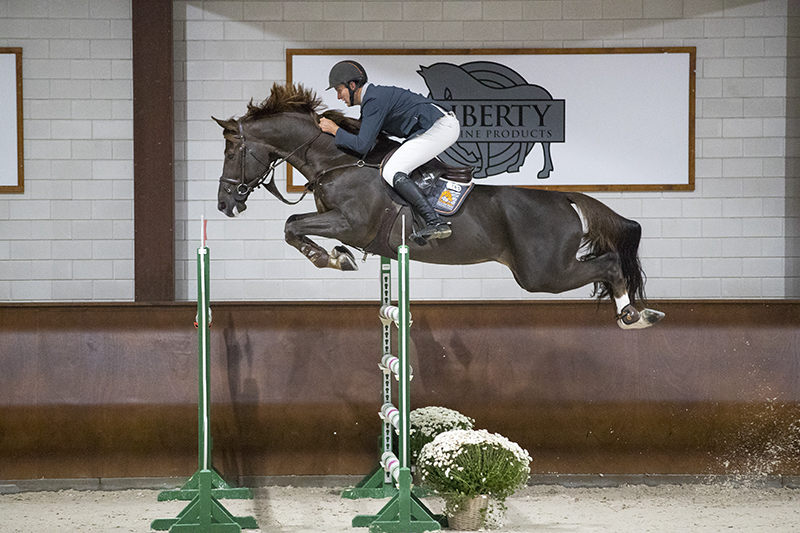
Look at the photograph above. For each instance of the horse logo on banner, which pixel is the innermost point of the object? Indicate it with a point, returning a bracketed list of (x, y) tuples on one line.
[(502, 116)]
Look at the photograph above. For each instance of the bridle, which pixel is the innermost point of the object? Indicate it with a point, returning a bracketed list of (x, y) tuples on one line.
[(267, 178)]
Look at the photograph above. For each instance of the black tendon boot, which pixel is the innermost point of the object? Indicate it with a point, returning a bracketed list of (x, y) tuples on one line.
[(411, 193)]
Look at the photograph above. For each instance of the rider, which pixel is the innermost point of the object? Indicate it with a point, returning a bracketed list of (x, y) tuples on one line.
[(428, 129)]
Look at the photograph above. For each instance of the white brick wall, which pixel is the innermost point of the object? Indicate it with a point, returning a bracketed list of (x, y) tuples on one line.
[(791, 201), (727, 239), (69, 237)]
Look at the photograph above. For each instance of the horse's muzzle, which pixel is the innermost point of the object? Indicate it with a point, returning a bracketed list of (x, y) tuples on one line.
[(232, 211)]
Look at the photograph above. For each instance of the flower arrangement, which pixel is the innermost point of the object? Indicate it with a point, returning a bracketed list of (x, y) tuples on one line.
[(463, 464), (428, 422)]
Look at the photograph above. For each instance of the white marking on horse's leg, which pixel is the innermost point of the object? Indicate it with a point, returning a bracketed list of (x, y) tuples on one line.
[(621, 302)]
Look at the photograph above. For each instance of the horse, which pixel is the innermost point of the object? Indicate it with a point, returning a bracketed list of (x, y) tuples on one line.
[(481, 80), (552, 241)]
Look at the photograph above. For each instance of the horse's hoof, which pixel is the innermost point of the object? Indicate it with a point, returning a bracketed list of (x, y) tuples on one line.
[(652, 317), (633, 319), (342, 259)]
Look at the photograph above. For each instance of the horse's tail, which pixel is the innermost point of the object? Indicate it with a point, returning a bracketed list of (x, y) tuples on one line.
[(609, 232)]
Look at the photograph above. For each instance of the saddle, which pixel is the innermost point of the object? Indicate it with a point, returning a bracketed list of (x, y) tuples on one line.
[(445, 186)]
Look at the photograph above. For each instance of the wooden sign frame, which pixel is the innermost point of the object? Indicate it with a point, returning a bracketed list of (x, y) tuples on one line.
[(684, 111), (12, 161)]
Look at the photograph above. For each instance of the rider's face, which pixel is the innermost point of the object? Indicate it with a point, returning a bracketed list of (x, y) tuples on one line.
[(343, 94)]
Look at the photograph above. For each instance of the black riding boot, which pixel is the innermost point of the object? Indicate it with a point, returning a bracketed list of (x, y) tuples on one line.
[(411, 193)]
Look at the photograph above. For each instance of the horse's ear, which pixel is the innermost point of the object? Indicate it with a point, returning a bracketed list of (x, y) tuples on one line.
[(226, 124)]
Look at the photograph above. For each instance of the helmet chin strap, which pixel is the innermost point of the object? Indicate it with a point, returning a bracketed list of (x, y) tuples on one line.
[(353, 92)]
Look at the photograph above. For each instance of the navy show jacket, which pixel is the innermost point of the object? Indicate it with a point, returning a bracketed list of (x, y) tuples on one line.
[(396, 111)]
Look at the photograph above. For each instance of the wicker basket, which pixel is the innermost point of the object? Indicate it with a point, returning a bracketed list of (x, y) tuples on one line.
[(471, 514)]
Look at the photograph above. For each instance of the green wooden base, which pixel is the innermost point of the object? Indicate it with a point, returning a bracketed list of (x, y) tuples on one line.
[(372, 486), (404, 513), (204, 514), (219, 489)]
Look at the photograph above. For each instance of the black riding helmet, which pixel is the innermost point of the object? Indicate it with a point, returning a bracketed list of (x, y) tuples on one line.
[(344, 72)]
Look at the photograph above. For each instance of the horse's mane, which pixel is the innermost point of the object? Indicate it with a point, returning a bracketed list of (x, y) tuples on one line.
[(285, 98), (296, 98)]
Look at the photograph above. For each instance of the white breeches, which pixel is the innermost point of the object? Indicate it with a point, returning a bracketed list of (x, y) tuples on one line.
[(422, 148)]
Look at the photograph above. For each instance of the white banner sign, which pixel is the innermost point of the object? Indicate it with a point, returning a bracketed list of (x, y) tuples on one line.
[(596, 119)]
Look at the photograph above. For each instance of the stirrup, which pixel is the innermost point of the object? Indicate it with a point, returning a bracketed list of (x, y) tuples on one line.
[(440, 230)]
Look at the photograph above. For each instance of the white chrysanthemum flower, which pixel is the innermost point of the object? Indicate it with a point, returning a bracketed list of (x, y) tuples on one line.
[(428, 422), (471, 462), (461, 464)]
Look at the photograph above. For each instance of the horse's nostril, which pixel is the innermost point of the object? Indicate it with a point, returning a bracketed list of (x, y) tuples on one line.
[(221, 206)]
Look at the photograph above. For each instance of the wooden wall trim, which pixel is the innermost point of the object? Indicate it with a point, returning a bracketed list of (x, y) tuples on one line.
[(110, 390), (153, 151)]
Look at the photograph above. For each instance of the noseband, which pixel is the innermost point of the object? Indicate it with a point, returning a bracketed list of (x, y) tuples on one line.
[(244, 187)]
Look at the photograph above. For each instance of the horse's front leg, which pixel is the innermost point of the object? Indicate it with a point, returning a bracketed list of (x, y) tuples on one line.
[(329, 224), (522, 152)]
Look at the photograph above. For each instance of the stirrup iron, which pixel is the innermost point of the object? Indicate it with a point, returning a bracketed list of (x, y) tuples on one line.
[(441, 230)]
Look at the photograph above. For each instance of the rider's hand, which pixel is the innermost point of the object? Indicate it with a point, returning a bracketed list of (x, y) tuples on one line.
[(328, 126)]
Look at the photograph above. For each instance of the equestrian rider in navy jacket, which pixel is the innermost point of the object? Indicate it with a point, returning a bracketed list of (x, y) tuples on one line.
[(427, 128)]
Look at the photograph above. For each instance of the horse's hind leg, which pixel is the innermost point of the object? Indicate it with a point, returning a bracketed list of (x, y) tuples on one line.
[(570, 273), (628, 317), (548, 162), (607, 269), (485, 155)]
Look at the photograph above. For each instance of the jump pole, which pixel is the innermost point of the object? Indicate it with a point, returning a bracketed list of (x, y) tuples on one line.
[(404, 513), (204, 514), (379, 483)]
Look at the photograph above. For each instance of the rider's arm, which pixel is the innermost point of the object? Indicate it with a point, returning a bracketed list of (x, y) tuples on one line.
[(373, 114)]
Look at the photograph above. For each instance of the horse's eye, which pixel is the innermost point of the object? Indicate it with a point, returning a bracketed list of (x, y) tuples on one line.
[(230, 156)]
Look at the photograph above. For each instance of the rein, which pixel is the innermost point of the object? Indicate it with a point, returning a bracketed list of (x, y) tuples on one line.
[(360, 164), (244, 188)]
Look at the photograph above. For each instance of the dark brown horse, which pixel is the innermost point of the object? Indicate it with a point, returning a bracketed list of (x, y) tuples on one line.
[(551, 241)]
